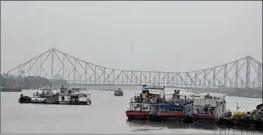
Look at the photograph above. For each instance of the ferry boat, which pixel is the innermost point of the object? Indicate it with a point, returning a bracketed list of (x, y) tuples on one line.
[(208, 107), (46, 96), (74, 97), (177, 106), (118, 92), (143, 105)]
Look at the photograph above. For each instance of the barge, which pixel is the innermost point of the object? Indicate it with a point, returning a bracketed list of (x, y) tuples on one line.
[(252, 119)]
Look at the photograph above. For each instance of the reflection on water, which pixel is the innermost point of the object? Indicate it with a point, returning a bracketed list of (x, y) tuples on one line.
[(106, 115), (212, 128)]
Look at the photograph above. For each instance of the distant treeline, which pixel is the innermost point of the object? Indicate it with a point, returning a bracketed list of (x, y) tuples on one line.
[(28, 82)]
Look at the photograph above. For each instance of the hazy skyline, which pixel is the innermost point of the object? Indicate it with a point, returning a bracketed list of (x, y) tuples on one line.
[(162, 36)]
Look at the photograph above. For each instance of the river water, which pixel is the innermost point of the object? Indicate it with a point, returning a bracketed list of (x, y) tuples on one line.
[(106, 115)]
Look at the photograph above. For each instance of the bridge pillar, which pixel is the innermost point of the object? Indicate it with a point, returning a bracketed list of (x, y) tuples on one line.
[(247, 73)]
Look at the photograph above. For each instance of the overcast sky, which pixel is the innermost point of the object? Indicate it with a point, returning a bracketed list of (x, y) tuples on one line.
[(166, 36)]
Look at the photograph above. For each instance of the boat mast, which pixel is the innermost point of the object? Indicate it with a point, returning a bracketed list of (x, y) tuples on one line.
[(237, 107)]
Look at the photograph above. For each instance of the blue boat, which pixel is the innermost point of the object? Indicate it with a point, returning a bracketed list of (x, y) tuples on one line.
[(178, 107)]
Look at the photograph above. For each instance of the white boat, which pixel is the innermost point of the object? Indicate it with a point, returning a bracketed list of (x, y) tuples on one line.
[(40, 97), (209, 106), (37, 99), (73, 96)]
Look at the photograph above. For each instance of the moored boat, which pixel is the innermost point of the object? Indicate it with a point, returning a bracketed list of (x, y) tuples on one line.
[(143, 105), (208, 107), (178, 107)]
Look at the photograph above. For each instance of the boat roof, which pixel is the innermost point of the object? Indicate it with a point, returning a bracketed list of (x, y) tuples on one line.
[(182, 93), (153, 92), (155, 87), (211, 94), (80, 92)]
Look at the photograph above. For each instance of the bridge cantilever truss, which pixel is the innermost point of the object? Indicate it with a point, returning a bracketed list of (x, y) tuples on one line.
[(54, 64)]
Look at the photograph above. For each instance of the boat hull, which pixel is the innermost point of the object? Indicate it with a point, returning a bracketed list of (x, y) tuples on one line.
[(51, 101), (204, 118), (24, 99), (138, 115), (118, 94), (172, 116), (240, 122), (75, 102)]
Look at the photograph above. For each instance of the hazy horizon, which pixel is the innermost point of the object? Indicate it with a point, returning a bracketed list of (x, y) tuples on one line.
[(152, 35)]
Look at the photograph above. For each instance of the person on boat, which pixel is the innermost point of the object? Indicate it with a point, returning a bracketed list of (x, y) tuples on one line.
[(198, 111), (211, 112)]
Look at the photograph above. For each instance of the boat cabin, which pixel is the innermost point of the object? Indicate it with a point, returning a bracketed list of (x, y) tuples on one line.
[(73, 95), (179, 97), (147, 99), (150, 95)]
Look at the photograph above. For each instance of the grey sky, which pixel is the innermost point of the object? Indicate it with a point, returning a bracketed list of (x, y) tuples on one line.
[(168, 36)]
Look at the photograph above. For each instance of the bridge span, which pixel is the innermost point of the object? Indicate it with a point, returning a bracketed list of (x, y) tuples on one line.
[(245, 72)]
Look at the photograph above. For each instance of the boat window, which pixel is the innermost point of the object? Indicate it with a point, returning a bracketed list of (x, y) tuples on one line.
[(172, 110), (62, 98), (179, 109)]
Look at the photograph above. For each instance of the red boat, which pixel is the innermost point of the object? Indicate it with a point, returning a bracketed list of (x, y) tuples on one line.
[(143, 104), (137, 114)]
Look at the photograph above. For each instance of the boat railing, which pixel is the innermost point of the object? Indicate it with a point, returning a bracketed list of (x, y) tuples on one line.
[(134, 109), (206, 110), (180, 101), (171, 109), (146, 100), (208, 113)]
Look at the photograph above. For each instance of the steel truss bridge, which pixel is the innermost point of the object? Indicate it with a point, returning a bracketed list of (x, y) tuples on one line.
[(54, 64)]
